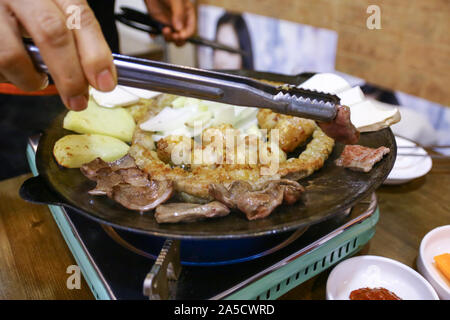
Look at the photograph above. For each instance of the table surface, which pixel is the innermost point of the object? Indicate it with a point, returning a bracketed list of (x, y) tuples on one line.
[(34, 256)]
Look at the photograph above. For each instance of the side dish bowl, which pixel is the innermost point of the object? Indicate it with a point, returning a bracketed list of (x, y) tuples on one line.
[(435, 242), (377, 272)]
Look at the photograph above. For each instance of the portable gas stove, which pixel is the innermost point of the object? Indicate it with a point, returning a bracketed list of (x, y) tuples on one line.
[(116, 267)]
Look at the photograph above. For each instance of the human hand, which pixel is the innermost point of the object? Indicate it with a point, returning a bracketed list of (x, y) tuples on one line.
[(178, 14), (75, 57)]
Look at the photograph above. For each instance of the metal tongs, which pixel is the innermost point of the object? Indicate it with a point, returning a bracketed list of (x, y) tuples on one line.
[(216, 86), (144, 22)]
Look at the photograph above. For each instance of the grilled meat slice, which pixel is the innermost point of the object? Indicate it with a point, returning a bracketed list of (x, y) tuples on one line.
[(292, 190), (124, 182), (126, 162), (359, 158), (257, 204), (106, 180), (341, 128), (91, 169), (188, 212), (143, 198), (229, 196), (134, 176)]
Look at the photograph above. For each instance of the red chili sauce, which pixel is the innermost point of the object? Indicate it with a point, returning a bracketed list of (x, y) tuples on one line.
[(373, 294)]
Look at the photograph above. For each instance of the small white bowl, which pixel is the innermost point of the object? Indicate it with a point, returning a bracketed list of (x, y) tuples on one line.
[(375, 272), (435, 242)]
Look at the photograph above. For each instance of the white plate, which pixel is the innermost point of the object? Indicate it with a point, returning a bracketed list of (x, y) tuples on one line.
[(375, 272), (435, 242), (408, 168)]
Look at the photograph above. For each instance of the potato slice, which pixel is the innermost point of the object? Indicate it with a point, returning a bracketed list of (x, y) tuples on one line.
[(117, 122), (72, 151)]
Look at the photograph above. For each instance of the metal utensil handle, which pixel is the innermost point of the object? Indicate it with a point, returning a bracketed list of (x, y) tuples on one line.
[(223, 87), (193, 82), (145, 22), (211, 85), (170, 78), (137, 25)]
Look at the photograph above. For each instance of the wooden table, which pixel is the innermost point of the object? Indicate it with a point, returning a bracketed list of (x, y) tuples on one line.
[(34, 257), (407, 213)]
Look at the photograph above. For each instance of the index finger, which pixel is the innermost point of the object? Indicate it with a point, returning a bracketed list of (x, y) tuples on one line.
[(190, 22), (45, 22), (177, 8), (95, 54)]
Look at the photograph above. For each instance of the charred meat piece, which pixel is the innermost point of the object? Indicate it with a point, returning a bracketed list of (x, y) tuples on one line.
[(106, 180), (134, 176), (257, 204), (359, 158), (188, 212), (91, 169), (341, 128), (229, 196), (96, 167), (125, 162), (292, 190), (110, 174), (142, 198), (124, 182)]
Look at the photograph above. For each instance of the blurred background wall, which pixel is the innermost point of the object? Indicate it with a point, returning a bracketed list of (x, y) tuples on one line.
[(409, 53), (406, 62)]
